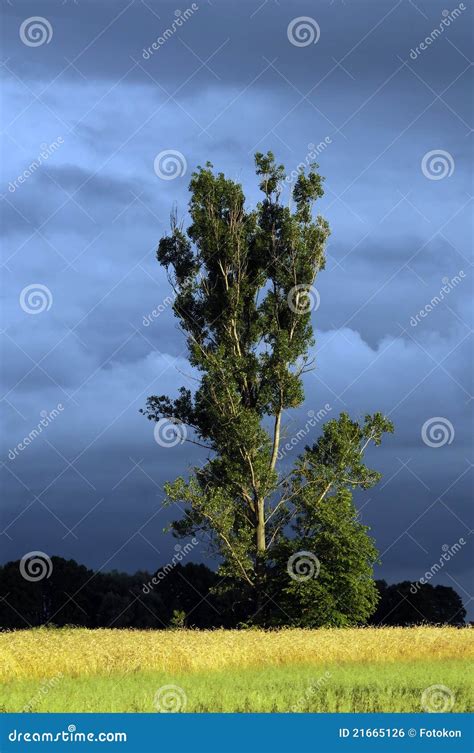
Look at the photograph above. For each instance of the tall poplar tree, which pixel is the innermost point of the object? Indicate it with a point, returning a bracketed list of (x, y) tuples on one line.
[(243, 280)]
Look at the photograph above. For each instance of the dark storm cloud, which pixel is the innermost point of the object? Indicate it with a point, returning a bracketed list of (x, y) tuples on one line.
[(86, 222), (72, 178), (255, 30)]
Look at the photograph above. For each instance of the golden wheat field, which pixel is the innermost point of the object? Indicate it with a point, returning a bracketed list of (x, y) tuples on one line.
[(365, 669), (79, 652)]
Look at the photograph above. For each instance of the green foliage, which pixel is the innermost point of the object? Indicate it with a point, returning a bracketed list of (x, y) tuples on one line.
[(241, 278), (178, 620), (343, 592)]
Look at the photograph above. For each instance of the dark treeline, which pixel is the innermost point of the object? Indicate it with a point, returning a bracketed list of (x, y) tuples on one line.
[(183, 596)]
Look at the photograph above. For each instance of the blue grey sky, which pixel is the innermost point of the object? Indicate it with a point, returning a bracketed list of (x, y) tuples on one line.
[(385, 89)]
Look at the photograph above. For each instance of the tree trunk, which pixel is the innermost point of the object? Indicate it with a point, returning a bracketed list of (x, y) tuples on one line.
[(276, 440), (260, 563), (260, 532)]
